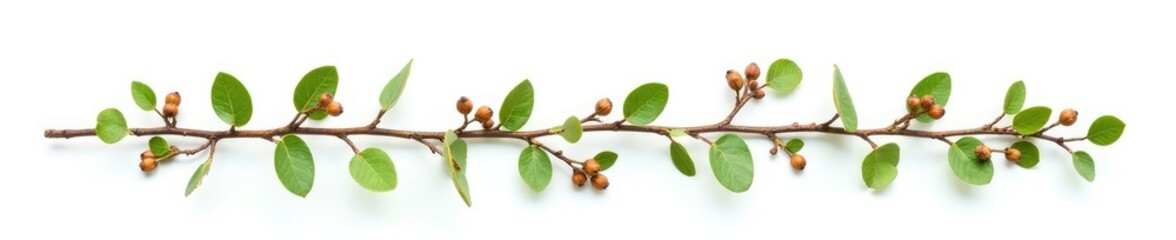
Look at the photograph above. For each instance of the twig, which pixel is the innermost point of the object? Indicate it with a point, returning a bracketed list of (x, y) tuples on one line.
[(349, 143)]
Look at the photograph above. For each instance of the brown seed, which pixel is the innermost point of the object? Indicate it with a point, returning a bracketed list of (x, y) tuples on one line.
[(752, 84), (798, 162), (335, 109), (147, 164), (325, 99), (579, 178), (172, 98), (146, 154), (752, 71), (734, 80), (170, 110), (759, 94), (599, 182), (936, 112), (1068, 117), (927, 102), (983, 152), (1012, 154), (592, 167), (774, 150), (483, 114), (913, 103), (603, 107), (488, 124), (464, 105)]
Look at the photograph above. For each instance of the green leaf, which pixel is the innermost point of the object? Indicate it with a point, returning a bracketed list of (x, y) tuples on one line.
[(645, 103), (677, 132), (318, 115), (681, 159), (881, 166), (794, 145), (1015, 98), (143, 95), (294, 165), (198, 177), (230, 100), (373, 170), (1084, 164), (535, 168), (731, 161), (321, 80), (1030, 155), (1030, 120), (516, 109), (395, 87), (111, 127), (843, 102), (1105, 130), (966, 165), (455, 153), (783, 75), (606, 159), (937, 85), (572, 130), (159, 146)]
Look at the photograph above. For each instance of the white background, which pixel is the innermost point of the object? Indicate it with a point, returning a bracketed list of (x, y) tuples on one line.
[(65, 61)]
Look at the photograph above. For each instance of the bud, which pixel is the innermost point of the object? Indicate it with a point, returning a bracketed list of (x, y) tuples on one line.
[(147, 164), (146, 154), (752, 71), (913, 103), (936, 112), (335, 109), (798, 162), (927, 102), (774, 150), (483, 114), (1068, 117), (488, 124), (758, 94), (603, 107), (599, 182), (171, 110), (172, 98), (464, 105), (1012, 154), (734, 80), (579, 178), (983, 152), (325, 99), (592, 166)]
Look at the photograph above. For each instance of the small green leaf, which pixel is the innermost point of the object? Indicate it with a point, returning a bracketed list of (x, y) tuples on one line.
[(373, 170), (230, 100), (681, 159), (731, 161), (783, 75), (318, 115), (677, 132), (843, 102), (395, 87), (938, 85), (1030, 155), (794, 145), (294, 165), (1084, 164), (198, 177), (966, 165), (1030, 120), (572, 130), (455, 153), (1015, 98), (158, 146), (535, 168), (321, 80), (516, 109), (143, 95), (645, 103), (111, 127), (881, 166), (1105, 130), (606, 159)]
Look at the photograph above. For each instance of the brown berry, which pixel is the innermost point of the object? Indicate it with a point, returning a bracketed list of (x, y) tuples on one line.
[(936, 112), (335, 109), (1068, 117), (1012, 154), (170, 110), (592, 167), (603, 107), (774, 150), (752, 71), (734, 80), (752, 84), (983, 152), (913, 103), (147, 164), (146, 154), (579, 178), (798, 162), (759, 94), (599, 182), (464, 105), (172, 98), (927, 102), (325, 99), (483, 114), (488, 124)]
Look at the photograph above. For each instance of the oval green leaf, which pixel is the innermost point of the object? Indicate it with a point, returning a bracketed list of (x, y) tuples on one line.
[(158, 146), (794, 145), (535, 168), (783, 75), (1030, 155), (843, 102), (230, 100), (938, 85), (1105, 130), (572, 130), (111, 127), (1015, 98), (1084, 164), (395, 87), (681, 159), (455, 153), (645, 103), (516, 109), (606, 159), (198, 177), (294, 165), (321, 80), (1030, 120), (373, 170), (881, 166), (730, 159), (966, 165), (143, 95)]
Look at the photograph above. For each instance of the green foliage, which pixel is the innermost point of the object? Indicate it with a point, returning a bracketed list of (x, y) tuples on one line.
[(794, 145), (231, 101), (294, 165), (159, 146), (535, 168), (681, 159), (1031, 120), (783, 75), (964, 163), (938, 85), (1030, 155), (455, 154), (111, 127), (606, 159), (1084, 164), (677, 132), (843, 102), (1015, 98), (645, 103), (321, 80), (373, 170), (143, 95), (881, 166), (198, 176), (516, 109), (730, 159), (1105, 130), (572, 130), (395, 87)]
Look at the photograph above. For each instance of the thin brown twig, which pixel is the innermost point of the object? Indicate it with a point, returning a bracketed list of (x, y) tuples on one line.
[(349, 143)]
